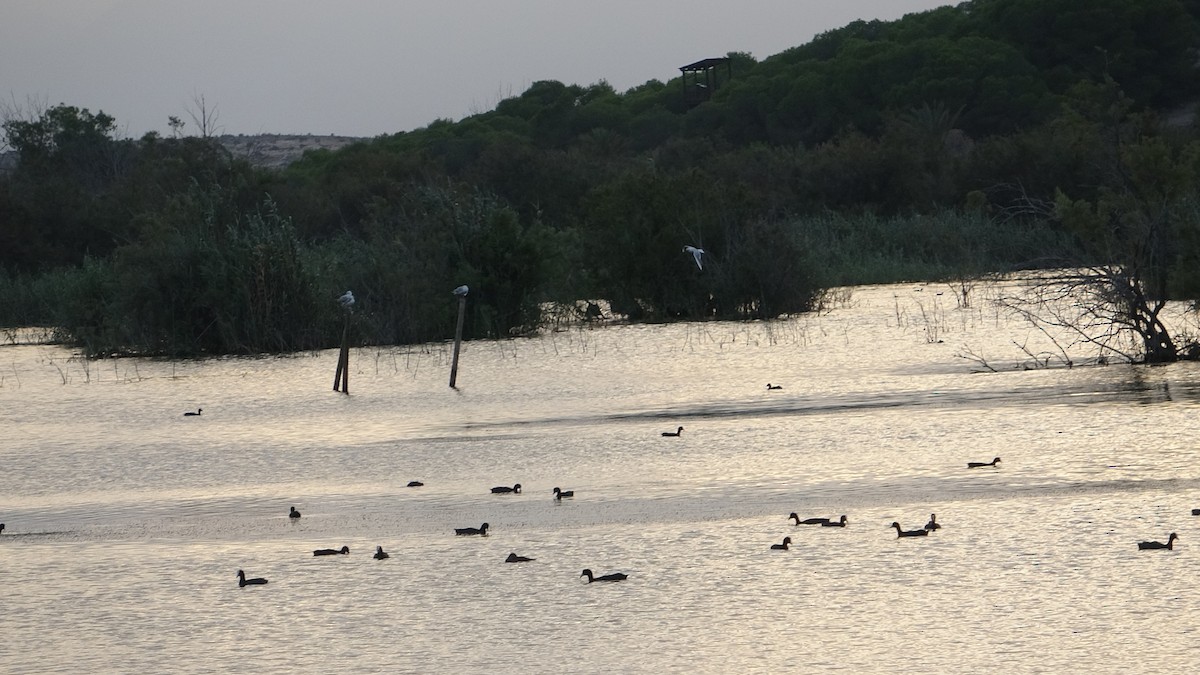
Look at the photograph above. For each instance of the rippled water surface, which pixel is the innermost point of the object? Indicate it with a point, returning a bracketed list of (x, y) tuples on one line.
[(126, 522)]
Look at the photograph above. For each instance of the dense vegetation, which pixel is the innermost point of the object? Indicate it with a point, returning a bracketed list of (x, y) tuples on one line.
[(881, 151)]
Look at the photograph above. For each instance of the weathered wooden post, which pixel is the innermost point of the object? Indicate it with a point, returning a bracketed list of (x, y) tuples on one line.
[(341, 377), (461, 292)]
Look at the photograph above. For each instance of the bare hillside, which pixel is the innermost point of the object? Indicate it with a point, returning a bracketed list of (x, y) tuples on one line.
[(275, 151)]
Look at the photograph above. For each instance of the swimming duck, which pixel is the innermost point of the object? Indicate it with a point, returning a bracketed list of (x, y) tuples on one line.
[(616, 576), (909, 533), (516, 489), (293, 513), (808, 521), (481, 530), (840, 522), (677, 432), (1154, 545), (782, 547), (194, 414), (976, 465), (1, 528), (415, 483), (332, 551), (514, 558), (774, 386), (1195, 512), (560, 494), (243, 581), (379, 553), (933, 523)]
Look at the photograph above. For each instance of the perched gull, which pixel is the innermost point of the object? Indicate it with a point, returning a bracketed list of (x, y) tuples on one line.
[(461, 290), (696, 253), (347, 300)]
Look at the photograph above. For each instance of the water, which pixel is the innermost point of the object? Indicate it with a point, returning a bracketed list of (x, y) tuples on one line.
[(127, 522)]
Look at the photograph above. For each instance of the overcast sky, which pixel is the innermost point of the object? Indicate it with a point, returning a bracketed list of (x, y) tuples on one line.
[(369, 67)]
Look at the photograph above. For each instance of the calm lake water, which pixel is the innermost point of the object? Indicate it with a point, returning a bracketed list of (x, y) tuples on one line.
[(127, 522)]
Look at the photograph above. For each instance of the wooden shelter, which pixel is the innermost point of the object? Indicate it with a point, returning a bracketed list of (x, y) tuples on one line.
[(700, 78)]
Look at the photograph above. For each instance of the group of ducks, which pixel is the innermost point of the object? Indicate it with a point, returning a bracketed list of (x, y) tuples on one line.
[(380, 554), (931, 526), (481, 531), (559, 495)]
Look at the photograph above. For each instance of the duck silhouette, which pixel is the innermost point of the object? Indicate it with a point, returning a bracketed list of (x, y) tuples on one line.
[(615, 576), (677, 432), (782, 547), (773, 386), (563, 494), (840, 522), (976, 465), (194, 414), (1157, 545), (332, 551), (933, 523), (909, 533), (415, 483), (514, 558), (294, 513), (516, 489), (379, 553), (807, 521), (243, 581), (467, 531)]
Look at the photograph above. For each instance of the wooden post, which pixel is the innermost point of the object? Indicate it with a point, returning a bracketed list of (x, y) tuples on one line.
[(341, 378), (462, 310)]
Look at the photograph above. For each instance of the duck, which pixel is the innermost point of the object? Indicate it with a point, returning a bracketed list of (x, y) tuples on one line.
[(194, 414), (415, 483), (243, 581), (332, 551), (808, 521), (293, 513), (933, 523), (379, 553), (771, 387), (514, 558), (840, 522), (782, 547), (677, 432), (1, 528), (466, 531), (1195, 512), (1155, 545), (909, 533), (615, 576), (976, 465), (516, 489), (563, 494)]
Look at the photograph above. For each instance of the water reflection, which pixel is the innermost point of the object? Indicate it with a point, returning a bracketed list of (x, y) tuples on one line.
[(126, 522)]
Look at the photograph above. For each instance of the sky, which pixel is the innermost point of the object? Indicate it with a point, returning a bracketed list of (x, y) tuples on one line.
[(371, 67)]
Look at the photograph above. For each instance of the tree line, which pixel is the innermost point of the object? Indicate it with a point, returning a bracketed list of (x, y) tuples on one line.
[(989, 136)]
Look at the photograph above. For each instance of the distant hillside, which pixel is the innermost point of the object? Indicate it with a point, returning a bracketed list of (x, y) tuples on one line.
[(276, 151), (268, 151)]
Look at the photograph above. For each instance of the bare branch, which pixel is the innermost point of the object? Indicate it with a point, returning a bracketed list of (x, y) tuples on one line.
[(204, 117)]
